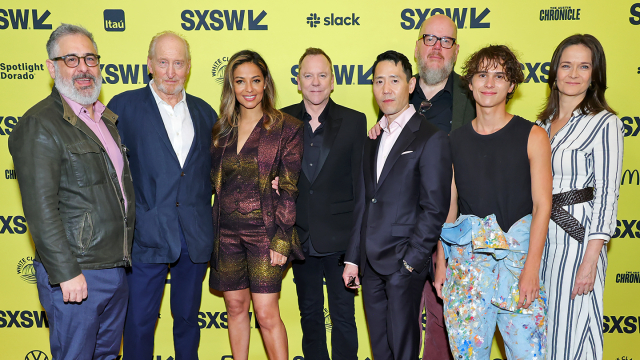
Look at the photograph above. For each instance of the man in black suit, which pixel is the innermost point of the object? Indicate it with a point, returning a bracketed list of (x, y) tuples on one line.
[(403, 196), (333, 140)]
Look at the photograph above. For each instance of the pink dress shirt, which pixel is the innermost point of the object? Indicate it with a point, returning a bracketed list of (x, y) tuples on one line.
[(390, 134)]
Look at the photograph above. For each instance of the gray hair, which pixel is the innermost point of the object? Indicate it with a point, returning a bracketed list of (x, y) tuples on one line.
[(64, 30), (154, 41)]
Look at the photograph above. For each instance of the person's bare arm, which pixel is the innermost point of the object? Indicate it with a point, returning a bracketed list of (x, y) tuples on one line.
[(539, 151)]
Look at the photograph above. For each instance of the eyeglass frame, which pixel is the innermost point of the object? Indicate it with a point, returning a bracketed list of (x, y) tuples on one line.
[(425, 105), (64, 59), (424, 40)]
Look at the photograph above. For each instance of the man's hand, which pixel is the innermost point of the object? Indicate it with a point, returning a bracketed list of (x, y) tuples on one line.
[(529, 286), (350, 273), (277, 258), (375, 131), (74, 290), (275, 184), (585, 278), (441, 276)]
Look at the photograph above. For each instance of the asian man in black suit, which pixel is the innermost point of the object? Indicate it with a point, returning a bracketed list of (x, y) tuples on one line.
[(333, 140), (403, 197)]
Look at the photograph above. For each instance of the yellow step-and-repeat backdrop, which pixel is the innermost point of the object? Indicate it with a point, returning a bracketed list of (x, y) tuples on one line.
[(352, 33)]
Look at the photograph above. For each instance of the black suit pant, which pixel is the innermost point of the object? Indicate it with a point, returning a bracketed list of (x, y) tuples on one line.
[(392, 306), (309, 277)]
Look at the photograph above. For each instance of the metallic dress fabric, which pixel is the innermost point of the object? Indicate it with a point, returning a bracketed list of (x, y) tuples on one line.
[(244, 260)]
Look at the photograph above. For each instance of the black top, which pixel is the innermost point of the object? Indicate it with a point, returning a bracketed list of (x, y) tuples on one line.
[(441, 111), (492, 172), (313, 142)]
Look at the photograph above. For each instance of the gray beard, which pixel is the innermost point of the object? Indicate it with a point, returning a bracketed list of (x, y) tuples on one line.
[(66, 88), (163, 89), (435, 76)]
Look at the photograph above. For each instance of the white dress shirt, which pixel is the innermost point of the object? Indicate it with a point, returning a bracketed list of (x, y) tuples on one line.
[(177, 121), (390, 133)]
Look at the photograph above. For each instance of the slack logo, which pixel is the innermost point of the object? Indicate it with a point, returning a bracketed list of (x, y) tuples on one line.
[(114, 20), (314, 20)]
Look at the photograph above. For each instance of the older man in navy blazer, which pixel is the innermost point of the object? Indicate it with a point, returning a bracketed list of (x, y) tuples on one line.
[(403, 198), (168, 133)]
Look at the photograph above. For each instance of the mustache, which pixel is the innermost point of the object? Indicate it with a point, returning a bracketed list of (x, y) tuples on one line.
[(83, 76)]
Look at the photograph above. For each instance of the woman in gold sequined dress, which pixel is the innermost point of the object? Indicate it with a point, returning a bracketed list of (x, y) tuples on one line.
[(252, 143)]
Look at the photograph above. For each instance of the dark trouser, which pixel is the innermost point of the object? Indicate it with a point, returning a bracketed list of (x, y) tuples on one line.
[(344, 336), (436, 343), (91, 329), (147, 282), (392, 306)]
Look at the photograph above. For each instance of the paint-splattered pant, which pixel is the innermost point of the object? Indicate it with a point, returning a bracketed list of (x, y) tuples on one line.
[(471, 318)]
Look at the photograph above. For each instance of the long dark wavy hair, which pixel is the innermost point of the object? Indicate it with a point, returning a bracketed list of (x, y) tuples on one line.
[(227, 124), (594, 100)]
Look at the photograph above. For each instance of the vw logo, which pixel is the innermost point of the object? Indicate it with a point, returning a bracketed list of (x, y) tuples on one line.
[(36, 355)]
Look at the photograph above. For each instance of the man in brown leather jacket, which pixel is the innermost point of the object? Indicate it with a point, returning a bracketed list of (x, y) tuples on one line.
[(78, 199)]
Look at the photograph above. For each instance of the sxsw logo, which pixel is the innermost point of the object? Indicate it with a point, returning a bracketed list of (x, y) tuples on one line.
[(23, 319), (625, 228), (220, 19), (36, 355), (536, 72), (614, 324), (631, 125), (314, 20), (634, 19), (7, 123), (19, 224), (413, 18), (125, 73), (219, 320), (344, 75), (114, 20), (19, 19), (629, 175)]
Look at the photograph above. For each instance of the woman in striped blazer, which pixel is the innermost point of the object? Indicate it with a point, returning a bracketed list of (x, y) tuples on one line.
[(587, 146)]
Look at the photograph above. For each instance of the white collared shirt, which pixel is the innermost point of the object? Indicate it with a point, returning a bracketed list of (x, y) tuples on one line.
[(390, 134), (178, 124)]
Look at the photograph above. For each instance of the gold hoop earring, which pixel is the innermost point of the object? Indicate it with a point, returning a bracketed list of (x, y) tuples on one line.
[(592, 85), (555, 85)]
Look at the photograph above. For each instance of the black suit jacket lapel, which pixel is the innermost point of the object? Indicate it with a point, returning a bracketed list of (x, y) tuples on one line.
[(406, 137), (369, 160), (331, 128), (156, 121)]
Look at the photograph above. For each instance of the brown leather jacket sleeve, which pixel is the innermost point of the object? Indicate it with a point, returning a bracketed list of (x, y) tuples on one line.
[(37, 161)]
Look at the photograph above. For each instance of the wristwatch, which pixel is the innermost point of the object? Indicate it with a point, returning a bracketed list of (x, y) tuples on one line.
[(407, 266)]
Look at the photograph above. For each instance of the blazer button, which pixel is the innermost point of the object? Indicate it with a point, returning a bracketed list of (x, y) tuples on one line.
[(374, 200), (182, 174), (310, 191), (177, 204)]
